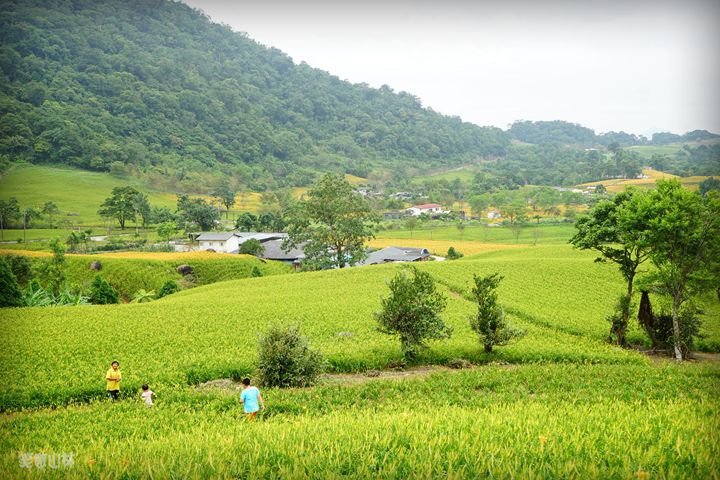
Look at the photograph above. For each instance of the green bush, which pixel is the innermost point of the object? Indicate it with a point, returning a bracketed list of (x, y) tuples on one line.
[(252, 247), (143, 296), (285, 359), (21, 267), (168, 288), (10, 294), (102, 293), (453, 254), (256, 272)]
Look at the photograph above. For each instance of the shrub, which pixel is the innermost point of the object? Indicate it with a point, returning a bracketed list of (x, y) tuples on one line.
[(252, 247), (143, 296), (459, 364), (10, 294), (21, 268), (660, 327), (453, 254), (168, 288), (489, 321), (285, 359), (412, 312), (36, 296), (256, 272), (102, 293)]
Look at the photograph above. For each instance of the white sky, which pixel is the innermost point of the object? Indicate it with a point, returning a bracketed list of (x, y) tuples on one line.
[(635, 65)]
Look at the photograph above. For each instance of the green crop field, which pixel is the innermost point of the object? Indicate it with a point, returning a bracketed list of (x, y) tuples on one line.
[(541, 234), (465, 174), (558, 402), (533, 421)]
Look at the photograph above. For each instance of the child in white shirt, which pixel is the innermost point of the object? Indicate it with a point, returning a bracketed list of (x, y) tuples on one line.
[(147, 395)]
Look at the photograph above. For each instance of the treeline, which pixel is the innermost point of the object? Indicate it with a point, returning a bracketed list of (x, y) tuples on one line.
[(558, 131), (156, 87)]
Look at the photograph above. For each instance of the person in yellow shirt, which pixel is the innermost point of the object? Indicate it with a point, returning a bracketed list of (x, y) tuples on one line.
[(113, 377)]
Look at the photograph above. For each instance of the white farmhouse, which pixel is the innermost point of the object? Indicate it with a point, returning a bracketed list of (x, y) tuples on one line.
[(428, 209), (225, 242)]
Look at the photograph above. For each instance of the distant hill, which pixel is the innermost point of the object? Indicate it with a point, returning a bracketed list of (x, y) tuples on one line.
[(155, 86), (558, 131)]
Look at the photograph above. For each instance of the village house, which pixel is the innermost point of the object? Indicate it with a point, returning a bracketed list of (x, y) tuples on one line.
[(225, 242), (427, 209)]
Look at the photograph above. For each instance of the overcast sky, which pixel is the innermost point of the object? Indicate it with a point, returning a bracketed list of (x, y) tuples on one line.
[(634, 65)]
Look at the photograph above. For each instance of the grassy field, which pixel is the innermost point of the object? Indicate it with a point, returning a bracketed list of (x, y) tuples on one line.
[(532, 421), (211, 332), (558, 402), (33, 185), (540, 234), (466, 174)]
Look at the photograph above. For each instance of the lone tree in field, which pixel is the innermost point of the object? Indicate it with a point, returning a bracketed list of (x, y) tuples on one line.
[(489, 321), (616, 232), (50, 209), (226, 196), (682, 235), (121, 205), (332, 224), (412, 312)]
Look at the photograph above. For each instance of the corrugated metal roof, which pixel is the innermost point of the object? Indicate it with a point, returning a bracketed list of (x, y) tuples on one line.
[(396, 254)]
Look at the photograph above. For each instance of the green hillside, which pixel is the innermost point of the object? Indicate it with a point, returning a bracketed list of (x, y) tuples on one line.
[(560, 395), (78, 193), (131, 271), (210, 332), (157, 89)]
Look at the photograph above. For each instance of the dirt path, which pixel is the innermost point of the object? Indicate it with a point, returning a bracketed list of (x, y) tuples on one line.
[(347, 378)]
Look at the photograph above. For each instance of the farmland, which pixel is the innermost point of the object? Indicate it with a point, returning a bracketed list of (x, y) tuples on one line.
[(651, 176), (544, 421), (559, 401)]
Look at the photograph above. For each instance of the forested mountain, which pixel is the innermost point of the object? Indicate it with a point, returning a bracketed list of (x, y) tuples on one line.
[(153, 88), (153, 84)]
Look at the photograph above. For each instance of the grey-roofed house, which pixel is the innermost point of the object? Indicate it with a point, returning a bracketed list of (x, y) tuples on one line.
[(274, 251), (396, 254)]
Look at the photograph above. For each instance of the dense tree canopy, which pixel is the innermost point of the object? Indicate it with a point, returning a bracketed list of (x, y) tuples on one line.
[(156, 86)]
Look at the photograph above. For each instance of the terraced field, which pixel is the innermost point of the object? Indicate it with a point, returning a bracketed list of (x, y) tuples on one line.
[(557, 402)]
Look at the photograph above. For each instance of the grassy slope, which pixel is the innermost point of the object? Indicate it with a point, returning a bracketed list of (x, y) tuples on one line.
[(131, 271), (211, 331), (564, 419), (79, 193)]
